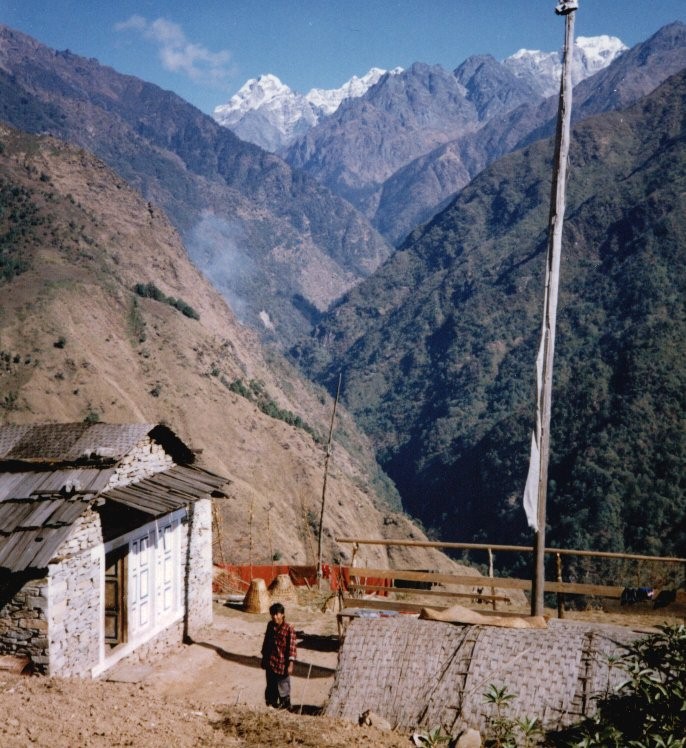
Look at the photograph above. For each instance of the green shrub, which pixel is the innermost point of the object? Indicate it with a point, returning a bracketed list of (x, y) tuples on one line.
[(151, 291), (92, 416), (648, 710), (136, 321), (18, 220), (256, 392)]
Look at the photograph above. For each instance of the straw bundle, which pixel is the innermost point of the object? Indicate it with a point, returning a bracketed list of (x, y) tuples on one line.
[(282, 588), (257, 598)]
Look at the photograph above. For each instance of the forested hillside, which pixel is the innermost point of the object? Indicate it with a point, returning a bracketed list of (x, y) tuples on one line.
[(437, 349)]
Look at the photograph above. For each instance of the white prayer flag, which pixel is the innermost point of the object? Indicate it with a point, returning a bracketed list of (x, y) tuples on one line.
[(534, 476)]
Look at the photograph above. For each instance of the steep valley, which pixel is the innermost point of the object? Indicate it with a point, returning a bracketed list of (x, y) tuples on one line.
[(76, 342)]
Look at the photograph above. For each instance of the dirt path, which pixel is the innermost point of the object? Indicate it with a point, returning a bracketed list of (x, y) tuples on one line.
[(209, 693), (223, 668)]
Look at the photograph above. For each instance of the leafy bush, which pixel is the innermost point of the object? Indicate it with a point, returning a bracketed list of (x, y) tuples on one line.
[(136, 321), (507, 732), (255, 391), (92, 415), (648, 710), (18, 220), (151, 291)]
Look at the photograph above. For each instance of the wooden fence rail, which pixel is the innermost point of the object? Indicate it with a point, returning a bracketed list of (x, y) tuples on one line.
[(501, 583), (519, 548), (495, 585)]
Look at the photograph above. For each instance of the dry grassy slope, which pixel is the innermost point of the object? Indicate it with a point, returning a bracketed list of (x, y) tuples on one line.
[(98, 238)]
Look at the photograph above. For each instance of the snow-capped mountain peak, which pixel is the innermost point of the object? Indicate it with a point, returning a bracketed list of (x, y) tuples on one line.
[(542, 70), (328, 100), (597, 52), (253, 94), (267, 112)]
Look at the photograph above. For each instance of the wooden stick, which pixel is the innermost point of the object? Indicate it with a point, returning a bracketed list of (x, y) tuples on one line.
[(326, 472), (302, 698)]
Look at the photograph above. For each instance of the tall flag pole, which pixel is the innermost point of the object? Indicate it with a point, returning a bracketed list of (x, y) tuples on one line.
[(535, 492)]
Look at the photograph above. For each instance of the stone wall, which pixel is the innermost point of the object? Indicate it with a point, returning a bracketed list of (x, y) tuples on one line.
[(158, 646), (55, 620), (74, 599), (145, 459), (198, 566), (23, 619)]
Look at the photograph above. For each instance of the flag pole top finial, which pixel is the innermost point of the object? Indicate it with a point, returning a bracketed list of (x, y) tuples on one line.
[(566, 7)]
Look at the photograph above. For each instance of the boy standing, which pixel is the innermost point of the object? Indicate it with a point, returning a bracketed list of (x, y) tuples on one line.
[(278, 658)]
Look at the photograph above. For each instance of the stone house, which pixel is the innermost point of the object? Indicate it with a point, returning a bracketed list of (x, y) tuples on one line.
[(105, 544)]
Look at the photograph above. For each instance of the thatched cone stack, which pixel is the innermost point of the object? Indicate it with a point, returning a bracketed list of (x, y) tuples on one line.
[(257, 598), (282, 589)]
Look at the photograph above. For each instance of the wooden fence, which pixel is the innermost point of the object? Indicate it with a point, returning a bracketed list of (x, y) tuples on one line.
[(497, 586)]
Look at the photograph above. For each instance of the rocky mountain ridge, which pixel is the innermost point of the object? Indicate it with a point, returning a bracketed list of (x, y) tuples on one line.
[(417, 191), (279, 246), (439, 128), (268, 113)]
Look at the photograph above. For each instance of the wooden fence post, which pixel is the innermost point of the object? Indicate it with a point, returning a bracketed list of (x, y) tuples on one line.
[(560, 595)]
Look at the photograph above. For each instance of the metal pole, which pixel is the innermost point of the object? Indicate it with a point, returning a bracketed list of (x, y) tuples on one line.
[(556, 219), (326, 471)]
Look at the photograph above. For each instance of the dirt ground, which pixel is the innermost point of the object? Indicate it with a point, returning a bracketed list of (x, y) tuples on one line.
[(209, 693)]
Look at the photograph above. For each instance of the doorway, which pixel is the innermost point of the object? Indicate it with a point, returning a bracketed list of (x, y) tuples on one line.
[(115, 596)]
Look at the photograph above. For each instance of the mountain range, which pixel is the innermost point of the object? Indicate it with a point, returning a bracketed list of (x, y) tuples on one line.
[(268, 113), (406, 147), (438, 346), (436, 339), (415, 192), (277, 242), (278, 245)]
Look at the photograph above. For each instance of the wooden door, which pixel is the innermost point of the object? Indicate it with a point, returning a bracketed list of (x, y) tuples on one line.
[(142, 576), (115, 597)]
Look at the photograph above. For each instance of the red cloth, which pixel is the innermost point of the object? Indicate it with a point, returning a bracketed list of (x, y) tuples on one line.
[(337, 576)]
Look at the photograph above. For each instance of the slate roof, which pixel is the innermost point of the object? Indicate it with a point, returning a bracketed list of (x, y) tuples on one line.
[(164, 492), (69, 442), (79, 443), (32, 531), (51, 473)]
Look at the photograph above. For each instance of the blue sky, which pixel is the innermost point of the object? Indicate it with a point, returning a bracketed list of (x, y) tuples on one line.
[(205, 50)]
